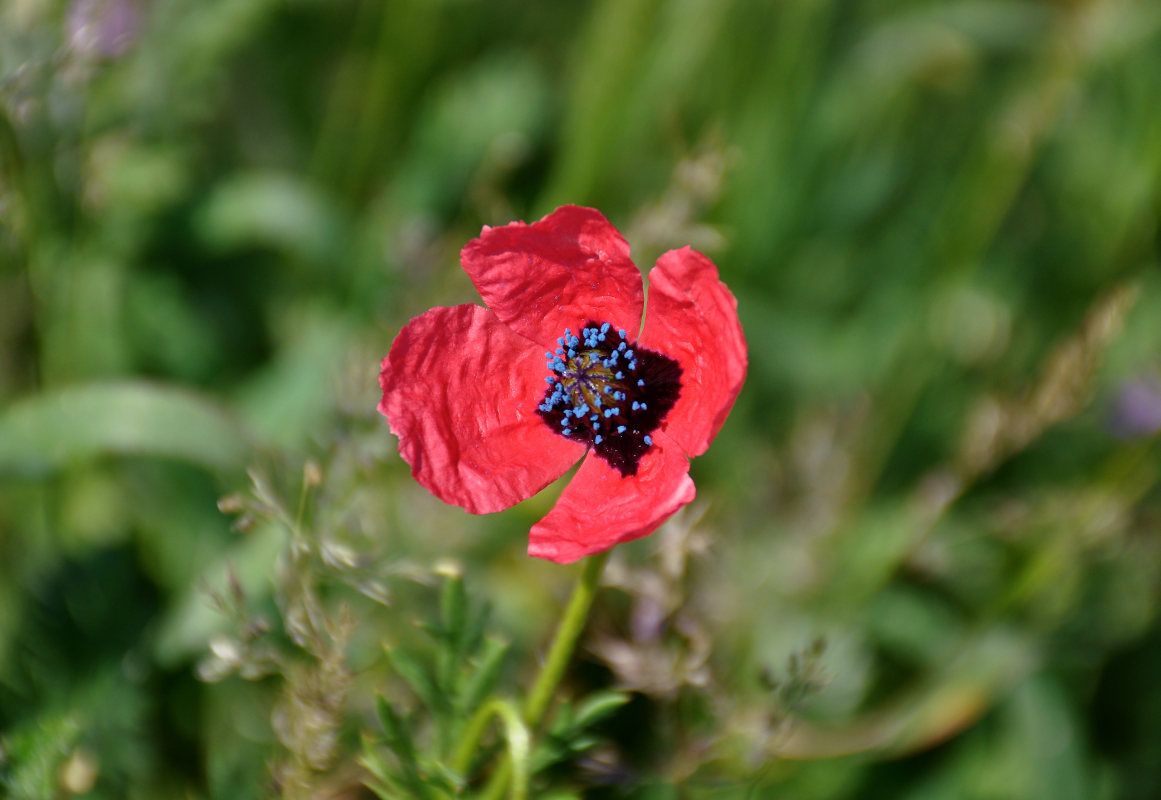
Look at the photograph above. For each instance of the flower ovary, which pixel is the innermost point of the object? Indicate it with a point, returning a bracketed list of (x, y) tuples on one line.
[(598, 376)]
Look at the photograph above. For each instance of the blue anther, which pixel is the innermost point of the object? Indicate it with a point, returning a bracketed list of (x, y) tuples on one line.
[(560, 350), (628, 354), (549, 381), (595, 417), (636, 405), (648, 440), (633, 365), (609, 412), (559, 387), (567, 431), (640, 381), (620, 429), (620, 376), (618, 395), (599, 439), (605, 327), (597, 402), (643, 406), (607, 389), (548, 356), (573, 341), (621, 334), (560, 341), (622, 347), (613, 357), (600, 337), (567, 332), (616, 411)]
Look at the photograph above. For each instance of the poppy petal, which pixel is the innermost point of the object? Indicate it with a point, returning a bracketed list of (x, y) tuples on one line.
[(460, 391), (693, 318), (599, 508), (560, 272)]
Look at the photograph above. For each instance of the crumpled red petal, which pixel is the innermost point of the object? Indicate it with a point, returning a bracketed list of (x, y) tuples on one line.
[(460, 391), (599, 508), (693, 318), (570, 267)]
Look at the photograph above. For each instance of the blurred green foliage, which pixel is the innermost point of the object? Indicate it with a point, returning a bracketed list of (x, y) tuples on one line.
[(939, 219)]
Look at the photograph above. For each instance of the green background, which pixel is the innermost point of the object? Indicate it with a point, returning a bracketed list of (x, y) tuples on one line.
[(939, 220)]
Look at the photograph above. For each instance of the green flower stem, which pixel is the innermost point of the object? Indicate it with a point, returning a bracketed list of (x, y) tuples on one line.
[(559, 654), (515, 734), (563, 645)]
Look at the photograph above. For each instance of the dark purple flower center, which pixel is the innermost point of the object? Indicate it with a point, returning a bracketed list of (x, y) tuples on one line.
[(608, 393)]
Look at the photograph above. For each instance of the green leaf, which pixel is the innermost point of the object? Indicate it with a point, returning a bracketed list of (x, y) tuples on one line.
[(418, 676), (484, 678), (596, 707), (397, 737), (453, 603), (42, 433), (396, 734)]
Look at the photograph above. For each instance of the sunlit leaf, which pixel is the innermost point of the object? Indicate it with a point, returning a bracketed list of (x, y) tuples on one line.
[(45, 432)]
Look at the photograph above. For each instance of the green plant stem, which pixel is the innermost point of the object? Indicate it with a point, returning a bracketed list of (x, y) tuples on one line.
[(571, 625), (559, 655)]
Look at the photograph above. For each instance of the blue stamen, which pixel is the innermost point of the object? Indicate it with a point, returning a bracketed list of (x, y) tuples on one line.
[(588, 386)]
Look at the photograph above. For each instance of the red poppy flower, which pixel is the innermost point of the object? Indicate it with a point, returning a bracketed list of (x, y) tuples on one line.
[(492, 404)]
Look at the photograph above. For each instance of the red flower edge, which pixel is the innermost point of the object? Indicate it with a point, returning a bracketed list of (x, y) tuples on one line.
[(492, 404)]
